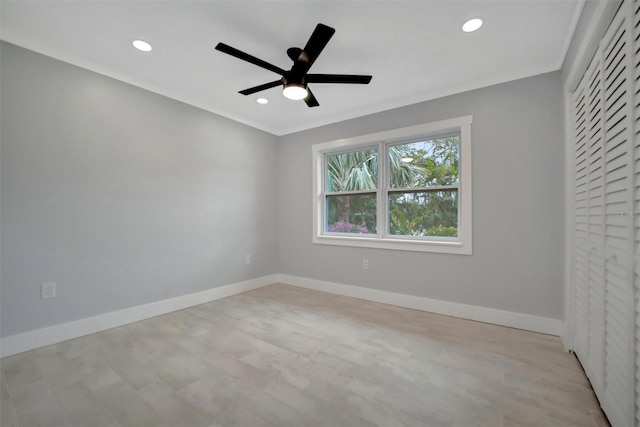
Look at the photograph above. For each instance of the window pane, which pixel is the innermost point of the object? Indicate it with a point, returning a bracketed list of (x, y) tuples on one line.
[(432, 213), (355, 171), (355, 213), (425, 163)]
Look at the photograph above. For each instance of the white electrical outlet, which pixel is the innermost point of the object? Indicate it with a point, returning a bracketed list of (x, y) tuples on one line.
[(365, 264), (48, 290), (247, 259)]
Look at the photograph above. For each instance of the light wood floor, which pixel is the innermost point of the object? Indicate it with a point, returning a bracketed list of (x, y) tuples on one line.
[(285, 356)]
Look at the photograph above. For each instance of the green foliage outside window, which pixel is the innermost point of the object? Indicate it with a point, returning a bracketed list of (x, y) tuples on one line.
[(415, 208)]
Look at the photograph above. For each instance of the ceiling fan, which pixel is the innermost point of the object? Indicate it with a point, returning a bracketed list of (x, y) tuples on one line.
[(295, 80)]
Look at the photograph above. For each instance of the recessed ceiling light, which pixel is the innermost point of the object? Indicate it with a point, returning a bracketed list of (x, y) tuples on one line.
[(262, 101), (472, 25), (142, 45)]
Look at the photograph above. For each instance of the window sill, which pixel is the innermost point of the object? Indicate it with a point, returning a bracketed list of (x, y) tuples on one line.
[(437, 246)]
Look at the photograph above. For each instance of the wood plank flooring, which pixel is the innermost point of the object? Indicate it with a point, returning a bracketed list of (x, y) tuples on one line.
[(286, 356)]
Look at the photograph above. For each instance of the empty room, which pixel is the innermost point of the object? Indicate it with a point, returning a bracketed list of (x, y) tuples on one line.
[(320, 213)]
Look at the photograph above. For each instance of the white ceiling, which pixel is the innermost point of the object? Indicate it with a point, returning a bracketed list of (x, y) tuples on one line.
[(415, 50)]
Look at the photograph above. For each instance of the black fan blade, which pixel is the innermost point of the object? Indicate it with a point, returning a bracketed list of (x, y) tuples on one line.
[(261, 87), (338, 78), (318, 40), (311, 99), (249, 58)]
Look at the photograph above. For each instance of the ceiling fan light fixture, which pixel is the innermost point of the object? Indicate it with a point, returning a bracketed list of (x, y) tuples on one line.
[(472, 25), (295, 91)]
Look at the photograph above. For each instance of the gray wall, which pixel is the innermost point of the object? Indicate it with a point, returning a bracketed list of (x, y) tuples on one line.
[(517, 261), (120, 196), (123, 197)]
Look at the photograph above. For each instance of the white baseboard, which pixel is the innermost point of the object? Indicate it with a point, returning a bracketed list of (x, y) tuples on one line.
[(30, 340), (511, 319)]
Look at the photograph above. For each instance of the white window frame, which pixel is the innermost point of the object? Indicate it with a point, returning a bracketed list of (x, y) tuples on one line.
[(451, 245)]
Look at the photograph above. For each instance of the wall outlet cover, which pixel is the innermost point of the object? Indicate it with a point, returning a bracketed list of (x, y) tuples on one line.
[(48, 290)]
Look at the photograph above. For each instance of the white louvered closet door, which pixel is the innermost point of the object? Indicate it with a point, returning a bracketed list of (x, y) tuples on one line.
[(581, 195), (618, 396), (589, 223), (606, 335), (595, 221), (636, 194)]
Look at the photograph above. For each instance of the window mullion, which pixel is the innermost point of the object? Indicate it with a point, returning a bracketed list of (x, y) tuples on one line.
[(383, 204), (452, 187), (382, 186), (347, 193), (323, 193)]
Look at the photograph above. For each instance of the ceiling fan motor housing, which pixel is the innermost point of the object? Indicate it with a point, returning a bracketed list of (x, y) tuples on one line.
[(291, 79)]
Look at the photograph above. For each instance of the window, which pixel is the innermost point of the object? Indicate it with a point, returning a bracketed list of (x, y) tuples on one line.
[(406, 189), (351, 192)]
